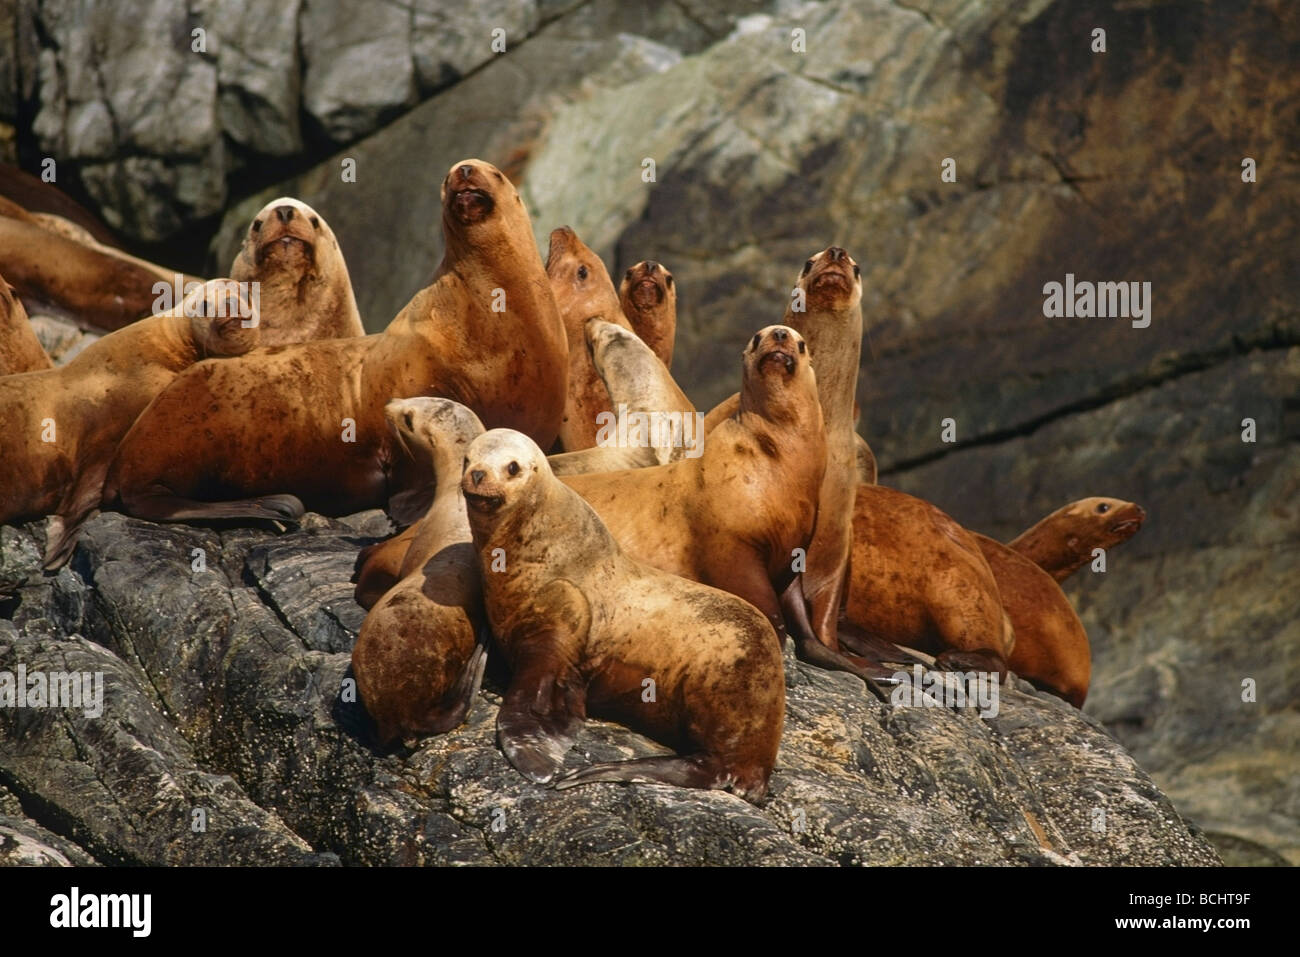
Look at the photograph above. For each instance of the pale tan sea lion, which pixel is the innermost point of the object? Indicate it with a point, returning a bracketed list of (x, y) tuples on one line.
[(587, 630)]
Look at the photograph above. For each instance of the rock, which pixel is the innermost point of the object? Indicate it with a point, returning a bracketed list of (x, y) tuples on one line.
[(225, 670), (259, 81)]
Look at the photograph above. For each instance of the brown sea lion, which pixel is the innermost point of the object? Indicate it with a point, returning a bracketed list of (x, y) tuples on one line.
[(648, 297), (293, 256), (20, 350), (260, 435), (59, 428), (583, 290), (57, 267), (739, 516), (1051, 648), (638, 383), (420, 656), (826, 309), (918, 579), (1062, 543), (586, 629)]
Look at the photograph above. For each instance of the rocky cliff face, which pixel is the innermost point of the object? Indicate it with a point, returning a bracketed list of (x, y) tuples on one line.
[(1117, 166), (226, 737)]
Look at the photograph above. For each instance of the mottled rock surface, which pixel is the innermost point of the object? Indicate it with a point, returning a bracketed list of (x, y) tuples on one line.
[(225, 655)]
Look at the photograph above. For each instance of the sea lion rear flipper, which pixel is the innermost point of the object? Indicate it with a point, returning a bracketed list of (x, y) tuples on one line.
[(872, 647), (695, 771), (161, 506), (541, 715), (979, 659)]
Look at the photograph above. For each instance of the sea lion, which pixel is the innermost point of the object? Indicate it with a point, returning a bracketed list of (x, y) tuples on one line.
[(294, 257), (85, 282), (1051, 647), (826, 309), (740, 516), (638, 383), (582, 289), (60, 427), (20, 350), (1062, 543), (305, 423), (420, 656), (586, 629), (648, 297), (918, 579)]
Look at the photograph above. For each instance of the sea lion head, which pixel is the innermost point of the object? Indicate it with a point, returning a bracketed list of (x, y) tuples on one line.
[(831, 280), (475, 193), (218, 311), (286, 234), (778, 373), (578, 278), (503, 476), (429, 423), (647, 284), (1104, 522)]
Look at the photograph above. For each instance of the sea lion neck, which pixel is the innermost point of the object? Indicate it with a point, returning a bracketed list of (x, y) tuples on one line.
[(834, 340)]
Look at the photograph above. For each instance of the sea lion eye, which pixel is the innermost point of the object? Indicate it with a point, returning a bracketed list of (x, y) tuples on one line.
[(582, 272), (803, 347), (856, 271), (757, 338), (670, 279), (465, 464), (315, 223), (627, 275), (513, 468), (1103, 508), (806, 267), (257, 225)]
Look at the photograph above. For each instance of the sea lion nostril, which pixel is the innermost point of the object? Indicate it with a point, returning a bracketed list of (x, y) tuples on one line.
[(836, 253), (284, 213), (652, 267), (466, 171), (477, 475), (780, 335)]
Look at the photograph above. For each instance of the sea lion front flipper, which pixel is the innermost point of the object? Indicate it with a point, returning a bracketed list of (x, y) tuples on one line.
[(542, 712), (810, 649), (78, 507), (978, 659), (464, 691)]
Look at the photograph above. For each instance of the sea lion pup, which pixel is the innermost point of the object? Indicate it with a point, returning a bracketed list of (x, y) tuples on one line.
[(638, 382), (420, 655), (918, 579), (648, 297), (1062, 543), (587, 629), (20, 350), (306, 422), (293, 255), (1051, 648), (582, 289), (60, 427)]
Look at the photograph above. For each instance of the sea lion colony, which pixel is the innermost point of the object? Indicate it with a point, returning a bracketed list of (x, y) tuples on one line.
[(638, 555)]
